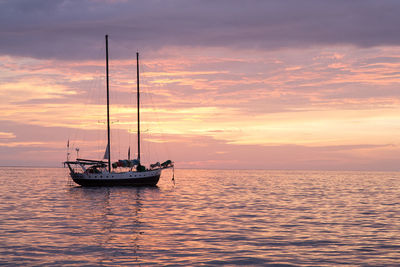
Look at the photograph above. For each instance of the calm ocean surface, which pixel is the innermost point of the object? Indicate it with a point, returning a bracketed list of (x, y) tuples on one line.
[(251, 218)]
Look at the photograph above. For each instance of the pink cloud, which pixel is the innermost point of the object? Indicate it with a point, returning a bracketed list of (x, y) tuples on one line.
[(317, 108)]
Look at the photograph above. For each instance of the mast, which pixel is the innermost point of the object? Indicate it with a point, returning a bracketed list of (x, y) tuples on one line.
[(108, 110), (138, 105)]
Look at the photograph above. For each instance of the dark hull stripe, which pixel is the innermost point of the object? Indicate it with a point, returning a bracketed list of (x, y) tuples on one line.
[(148, 181)]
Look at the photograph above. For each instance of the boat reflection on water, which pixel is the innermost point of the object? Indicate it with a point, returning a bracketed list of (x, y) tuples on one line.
[(109, 221)]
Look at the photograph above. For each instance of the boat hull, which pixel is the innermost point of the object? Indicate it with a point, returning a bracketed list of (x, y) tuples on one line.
[(149, 178)]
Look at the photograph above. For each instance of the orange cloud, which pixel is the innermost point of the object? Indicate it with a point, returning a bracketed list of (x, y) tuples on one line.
[(5, 135), (309, 98)]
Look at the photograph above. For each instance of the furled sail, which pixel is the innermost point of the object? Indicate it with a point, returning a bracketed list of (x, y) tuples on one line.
[(106, 153), (125, 163)]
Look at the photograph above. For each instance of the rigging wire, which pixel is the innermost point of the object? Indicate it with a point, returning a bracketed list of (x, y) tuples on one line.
[(150, 151), (92, 91), (154, 115), (160, 129)]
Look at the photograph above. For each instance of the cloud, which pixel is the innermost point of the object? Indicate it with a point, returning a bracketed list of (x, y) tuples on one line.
[(272, 97), (24, 144), (207, 152), (263, 84), (5, 135), (75, 29)]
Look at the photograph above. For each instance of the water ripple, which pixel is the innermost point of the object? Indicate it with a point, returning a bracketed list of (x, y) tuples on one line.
[(232, 218)]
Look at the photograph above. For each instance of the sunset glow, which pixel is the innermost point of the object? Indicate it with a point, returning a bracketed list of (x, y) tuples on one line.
[(255, 104)]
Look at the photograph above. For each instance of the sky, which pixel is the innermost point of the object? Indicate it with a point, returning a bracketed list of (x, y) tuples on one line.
[(285, 84)]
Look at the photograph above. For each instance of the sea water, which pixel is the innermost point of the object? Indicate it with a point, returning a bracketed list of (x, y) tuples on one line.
[(207, 217)]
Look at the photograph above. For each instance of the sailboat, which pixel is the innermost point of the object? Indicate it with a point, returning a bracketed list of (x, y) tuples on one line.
[(86, 172)]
